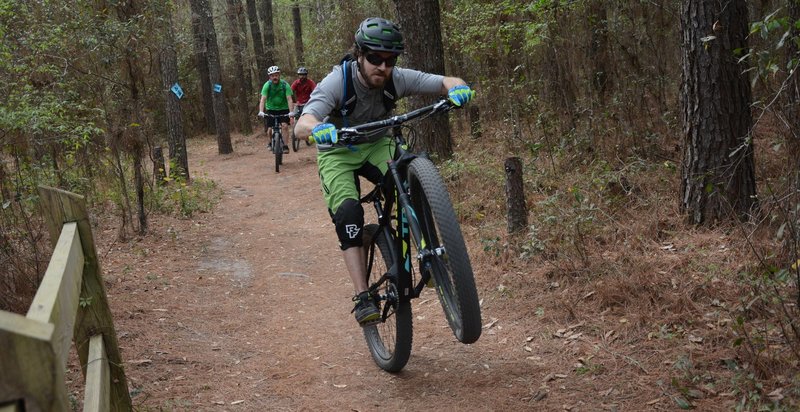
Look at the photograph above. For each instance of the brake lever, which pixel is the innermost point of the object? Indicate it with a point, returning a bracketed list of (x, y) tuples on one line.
[(349, 135)]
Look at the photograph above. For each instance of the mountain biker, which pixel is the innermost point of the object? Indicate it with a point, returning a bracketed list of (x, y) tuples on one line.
[(378, 44), (277, 94), (302, 88)]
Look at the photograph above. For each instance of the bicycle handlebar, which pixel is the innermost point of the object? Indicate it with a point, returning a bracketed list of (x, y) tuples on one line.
[(351, 135), (275, 116)]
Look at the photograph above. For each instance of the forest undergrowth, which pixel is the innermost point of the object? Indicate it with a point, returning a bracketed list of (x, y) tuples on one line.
[(607, 248)]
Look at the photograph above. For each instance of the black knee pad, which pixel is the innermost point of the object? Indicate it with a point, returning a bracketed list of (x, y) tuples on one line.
[(349, 221)]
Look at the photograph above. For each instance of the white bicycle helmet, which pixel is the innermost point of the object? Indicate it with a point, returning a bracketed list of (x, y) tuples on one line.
[(272, 70)]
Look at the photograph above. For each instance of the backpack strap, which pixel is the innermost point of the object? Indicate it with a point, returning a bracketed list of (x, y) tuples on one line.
[(348, 90), (282, 86), (349, 97), (389, 94)]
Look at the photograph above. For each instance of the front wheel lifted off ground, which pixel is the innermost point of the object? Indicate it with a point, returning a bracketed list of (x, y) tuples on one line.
[(449, 265)]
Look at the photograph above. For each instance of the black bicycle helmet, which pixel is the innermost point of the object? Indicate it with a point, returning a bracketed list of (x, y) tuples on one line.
[(379, 34), (302, 70)]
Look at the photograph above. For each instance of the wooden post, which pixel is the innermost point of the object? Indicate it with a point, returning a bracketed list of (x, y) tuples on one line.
[(159, 166), (515, 196), (97, 378), (30, 370), (94, 317), (56, 300)]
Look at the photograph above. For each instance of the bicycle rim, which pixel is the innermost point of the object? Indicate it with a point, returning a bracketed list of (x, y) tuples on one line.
[(389, 341), (450, 267)]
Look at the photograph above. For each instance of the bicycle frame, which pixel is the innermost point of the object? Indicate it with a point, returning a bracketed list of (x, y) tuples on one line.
[(412, 182), (406, 229), (276, 128)]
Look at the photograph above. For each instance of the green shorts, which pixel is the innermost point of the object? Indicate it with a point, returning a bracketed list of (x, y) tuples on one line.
[(340, 167)]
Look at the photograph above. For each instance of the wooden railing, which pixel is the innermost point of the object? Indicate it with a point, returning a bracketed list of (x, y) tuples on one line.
[(70, 306)]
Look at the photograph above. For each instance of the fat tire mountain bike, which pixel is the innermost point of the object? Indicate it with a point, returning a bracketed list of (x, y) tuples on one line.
[(276, 140), (415, 222)]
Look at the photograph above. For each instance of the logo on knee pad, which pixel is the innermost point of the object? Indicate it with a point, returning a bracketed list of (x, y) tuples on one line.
[(352, 230)]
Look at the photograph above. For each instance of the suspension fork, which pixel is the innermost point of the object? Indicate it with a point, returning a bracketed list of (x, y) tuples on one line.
[(409, 224)]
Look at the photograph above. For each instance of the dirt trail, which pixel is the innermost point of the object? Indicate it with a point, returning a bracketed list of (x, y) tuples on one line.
[(248, 309)]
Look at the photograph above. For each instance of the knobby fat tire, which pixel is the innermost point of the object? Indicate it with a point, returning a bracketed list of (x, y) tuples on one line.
[(452, 272)]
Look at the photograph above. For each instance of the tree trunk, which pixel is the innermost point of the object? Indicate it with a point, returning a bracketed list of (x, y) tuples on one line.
[(247, 60), (424, 51), (792, 111), (258, 44), (298, 34), (515, 196), (201, 63), (718, 178), (203, 11), (598, 47), (350, 18), (176, 139), (475, 129), (234, 8), (269, 33), (138, 179), (159, 166), (125, 208), (134, 136)]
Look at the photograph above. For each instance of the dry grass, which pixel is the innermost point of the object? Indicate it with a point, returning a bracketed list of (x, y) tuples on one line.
[(699, 311)]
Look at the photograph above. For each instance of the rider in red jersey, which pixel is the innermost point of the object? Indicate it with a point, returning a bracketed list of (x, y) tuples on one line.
[(302, 88)]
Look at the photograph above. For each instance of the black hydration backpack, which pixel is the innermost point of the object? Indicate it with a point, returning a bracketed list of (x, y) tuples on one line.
[(349, 99)]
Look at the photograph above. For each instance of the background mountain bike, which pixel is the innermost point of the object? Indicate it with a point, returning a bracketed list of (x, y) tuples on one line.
[(276, 142), (298, 111), (415, 222)]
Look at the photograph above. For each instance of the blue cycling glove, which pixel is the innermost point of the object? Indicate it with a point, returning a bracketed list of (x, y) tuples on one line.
[(324, 133), (460, 95)]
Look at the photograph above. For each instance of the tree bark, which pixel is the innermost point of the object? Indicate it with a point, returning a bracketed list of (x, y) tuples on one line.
[(515, 196), (718, 178), (159, 166), (176, 139), (475, 128), (350, 18), (258, 44), (133, 132), (234, 9), (268, 32), (201, 63), (202, 10), (138, 178), (298, 34), (792, 111), (598, 47), (246, 58), (422, 32)]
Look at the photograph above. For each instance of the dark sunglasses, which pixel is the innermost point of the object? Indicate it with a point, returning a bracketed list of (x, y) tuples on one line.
[(376, 59)]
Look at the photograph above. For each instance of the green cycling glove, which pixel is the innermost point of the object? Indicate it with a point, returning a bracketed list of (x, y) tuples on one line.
[(324, 133), (460, 95)]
